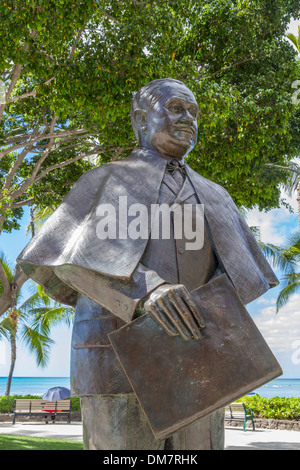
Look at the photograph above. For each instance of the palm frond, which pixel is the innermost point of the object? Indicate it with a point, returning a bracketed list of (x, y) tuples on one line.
[(6, 328), (6, 266), (286, 257), (292, 285), (35, 301), (272, 252), (40, 215), (294, 40), (293, 240), (256, 232), (37, 343)]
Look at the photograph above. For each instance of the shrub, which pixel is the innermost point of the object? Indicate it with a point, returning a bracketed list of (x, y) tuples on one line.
[(7, 402), (273, 408)]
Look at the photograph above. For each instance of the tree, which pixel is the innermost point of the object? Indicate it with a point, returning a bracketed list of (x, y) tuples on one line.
[(295, 40), (31, 322), (69, 69), (293, 182), (287, 259)]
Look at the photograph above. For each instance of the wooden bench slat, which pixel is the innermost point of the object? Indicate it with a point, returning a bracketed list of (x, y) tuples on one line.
[(25, 406)]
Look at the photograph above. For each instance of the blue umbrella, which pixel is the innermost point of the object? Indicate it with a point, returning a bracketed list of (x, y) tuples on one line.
[(56, 393)]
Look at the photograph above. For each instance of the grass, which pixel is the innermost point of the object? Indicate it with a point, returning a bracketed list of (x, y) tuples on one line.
[(14, 442)]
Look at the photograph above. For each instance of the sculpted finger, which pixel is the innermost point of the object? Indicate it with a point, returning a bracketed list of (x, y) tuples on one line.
[(187, 317), (193, 307), (173, 317), (160, 319)]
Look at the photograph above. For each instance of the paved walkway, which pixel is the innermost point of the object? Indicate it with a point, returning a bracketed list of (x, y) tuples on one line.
[(235, 438), (60, 430), (261, 439)]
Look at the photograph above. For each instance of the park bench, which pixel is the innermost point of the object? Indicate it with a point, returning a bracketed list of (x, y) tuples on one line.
[(36, 407), (239, 412)]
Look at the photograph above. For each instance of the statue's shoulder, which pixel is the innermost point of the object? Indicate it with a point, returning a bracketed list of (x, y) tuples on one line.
[(104, 171), (207, 183)]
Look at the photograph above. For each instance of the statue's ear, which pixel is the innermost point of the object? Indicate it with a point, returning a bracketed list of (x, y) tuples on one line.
[(140, 118)]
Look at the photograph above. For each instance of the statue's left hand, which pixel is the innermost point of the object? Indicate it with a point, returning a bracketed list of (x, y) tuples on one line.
[(174, 309)]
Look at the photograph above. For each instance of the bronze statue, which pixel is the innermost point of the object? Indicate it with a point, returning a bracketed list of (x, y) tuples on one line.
[(84, 258)]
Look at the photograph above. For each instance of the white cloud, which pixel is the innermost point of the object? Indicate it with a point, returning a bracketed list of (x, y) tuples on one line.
[(280, 330), (293, 27), (265, 301), (276, 224)]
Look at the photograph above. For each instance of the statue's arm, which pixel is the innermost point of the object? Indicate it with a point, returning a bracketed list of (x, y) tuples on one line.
[(170, 305), (119, 296)]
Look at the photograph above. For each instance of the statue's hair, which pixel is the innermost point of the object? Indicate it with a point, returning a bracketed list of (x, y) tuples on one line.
[(146, 98)]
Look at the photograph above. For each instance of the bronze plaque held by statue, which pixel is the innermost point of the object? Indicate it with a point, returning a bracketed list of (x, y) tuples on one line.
[(177, 381)]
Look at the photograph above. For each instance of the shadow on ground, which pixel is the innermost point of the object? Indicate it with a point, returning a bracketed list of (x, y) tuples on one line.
[(267, 446)]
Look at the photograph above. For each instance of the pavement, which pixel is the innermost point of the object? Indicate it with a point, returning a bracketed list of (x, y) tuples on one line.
[(235, 437), (261, 439), (61, 430)]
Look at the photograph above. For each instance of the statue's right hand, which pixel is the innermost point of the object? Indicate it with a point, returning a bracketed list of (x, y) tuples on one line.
[(174, 309)]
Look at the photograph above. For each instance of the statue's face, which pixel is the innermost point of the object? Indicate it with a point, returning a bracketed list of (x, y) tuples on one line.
[(171, 125)]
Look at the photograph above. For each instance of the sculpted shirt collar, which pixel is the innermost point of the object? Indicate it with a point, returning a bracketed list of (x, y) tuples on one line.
[(162, 155)]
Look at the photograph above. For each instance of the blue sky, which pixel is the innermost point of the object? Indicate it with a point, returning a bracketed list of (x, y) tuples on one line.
[(59, 364), (281, 331)]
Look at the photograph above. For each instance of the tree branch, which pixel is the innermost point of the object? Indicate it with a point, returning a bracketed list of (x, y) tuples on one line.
[(210, 52), (71, 160), (235, 65), (8, 298), (19, 192), (16, 205), (75, 43), (16, 74), (79, 133), (18, 163), (293, 170), (21, 97), (118, 154), (111, 18)]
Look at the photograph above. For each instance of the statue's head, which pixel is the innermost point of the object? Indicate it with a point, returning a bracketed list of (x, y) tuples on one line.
[(164, 117)]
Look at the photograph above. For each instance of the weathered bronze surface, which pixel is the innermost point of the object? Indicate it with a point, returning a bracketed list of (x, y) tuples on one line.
[(177, 381), (114, 280)]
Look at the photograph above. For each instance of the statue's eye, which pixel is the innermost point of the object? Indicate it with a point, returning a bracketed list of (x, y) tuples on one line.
[(174, 108)]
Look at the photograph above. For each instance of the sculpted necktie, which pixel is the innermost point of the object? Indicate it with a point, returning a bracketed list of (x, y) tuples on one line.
[(177, 170)]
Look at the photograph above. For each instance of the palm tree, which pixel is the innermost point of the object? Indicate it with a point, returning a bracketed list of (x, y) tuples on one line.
[(38, 215), (294, 169), (31, 323), (295, 40), (287, 259), (293, 182)]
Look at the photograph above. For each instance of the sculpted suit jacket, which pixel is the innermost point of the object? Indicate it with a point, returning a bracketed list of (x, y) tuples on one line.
[(106, 279)]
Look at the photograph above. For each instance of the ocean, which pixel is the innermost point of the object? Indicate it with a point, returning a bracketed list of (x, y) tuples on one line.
[(280, 388), (33, 385), (40, 385)]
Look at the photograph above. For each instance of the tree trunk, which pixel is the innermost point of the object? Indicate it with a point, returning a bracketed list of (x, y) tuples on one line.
[(13, 355), (298, 198), (32, 227), (8, 298)]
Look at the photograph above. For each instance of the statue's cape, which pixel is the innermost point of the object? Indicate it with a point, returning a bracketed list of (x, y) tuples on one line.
[(69, 235)]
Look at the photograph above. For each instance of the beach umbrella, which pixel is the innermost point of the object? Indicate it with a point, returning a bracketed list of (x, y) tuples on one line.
[(56, 393)]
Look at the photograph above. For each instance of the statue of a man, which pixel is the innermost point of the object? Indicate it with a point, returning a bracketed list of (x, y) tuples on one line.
[(112, 278)]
